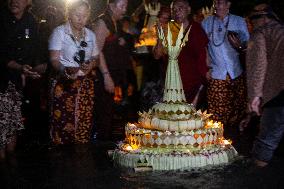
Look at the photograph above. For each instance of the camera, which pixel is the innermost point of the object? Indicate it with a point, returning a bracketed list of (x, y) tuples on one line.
[(234, 33)]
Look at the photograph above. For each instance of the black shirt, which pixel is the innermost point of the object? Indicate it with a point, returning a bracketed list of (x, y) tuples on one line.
[(19, 42)]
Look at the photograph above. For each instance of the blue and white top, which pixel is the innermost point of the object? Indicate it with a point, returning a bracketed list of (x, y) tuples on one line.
[(62, 40), (224, 58)]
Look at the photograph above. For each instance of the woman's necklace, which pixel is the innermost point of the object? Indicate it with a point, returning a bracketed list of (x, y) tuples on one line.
[(79, 39), (78, 35), (219, 30)]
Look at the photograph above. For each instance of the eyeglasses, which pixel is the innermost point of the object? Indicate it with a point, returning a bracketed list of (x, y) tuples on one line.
[(80, 55)]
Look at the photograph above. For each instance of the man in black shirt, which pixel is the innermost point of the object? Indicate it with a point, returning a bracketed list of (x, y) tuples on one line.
[(19, 43), (18, 64)]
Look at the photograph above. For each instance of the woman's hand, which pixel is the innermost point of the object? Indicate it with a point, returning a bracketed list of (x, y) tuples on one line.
[(71, 72), (88, 67), (108, 82)]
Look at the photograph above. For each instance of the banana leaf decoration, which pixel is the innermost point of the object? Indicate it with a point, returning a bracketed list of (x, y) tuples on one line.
[(173, 92)]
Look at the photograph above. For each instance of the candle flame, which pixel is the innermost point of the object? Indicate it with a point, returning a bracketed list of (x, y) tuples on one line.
[(128, 148), (225, 142), (214, 125)]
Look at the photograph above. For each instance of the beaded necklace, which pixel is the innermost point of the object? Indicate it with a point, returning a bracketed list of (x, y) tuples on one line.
[(79, 56), (81, 39), (219, 30)]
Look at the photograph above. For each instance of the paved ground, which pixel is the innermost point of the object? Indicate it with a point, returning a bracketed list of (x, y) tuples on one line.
[(40, 166)]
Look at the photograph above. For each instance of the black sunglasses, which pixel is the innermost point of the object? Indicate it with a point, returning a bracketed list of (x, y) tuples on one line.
[(83, 44), (80, 55)]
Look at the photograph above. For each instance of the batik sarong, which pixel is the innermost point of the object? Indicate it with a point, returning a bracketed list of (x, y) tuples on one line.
[(72, 107)]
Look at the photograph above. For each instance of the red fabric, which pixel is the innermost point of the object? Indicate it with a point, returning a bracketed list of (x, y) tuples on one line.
[(192, 60)]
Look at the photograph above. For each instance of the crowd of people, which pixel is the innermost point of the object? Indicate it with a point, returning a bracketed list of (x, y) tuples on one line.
[(74, 69)]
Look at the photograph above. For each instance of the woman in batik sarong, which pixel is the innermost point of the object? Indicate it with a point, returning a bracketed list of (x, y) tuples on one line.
[(73, 55)]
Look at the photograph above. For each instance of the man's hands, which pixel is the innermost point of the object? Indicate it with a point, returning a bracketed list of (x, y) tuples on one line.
[(255, 105), (28, 71), (235, 41)]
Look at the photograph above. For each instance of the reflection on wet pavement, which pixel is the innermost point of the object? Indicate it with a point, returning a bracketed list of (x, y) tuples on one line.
[(87, 166), (41, 166)]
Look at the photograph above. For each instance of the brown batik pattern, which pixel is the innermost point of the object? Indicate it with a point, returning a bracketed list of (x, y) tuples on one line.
[(227, 100), (72, 108)]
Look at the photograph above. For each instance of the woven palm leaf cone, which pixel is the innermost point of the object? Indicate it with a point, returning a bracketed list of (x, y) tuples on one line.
[(173, 92)]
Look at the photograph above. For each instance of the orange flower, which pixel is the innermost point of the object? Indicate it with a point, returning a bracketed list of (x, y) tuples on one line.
[(76, 84), (57, 114), (58, 91), (69, 127), (69, 105)]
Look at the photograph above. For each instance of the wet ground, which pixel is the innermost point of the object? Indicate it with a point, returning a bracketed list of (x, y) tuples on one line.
[(41, 166)]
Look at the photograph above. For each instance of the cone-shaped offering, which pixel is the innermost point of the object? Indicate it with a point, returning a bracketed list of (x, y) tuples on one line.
[(172, 134), (173, 91)]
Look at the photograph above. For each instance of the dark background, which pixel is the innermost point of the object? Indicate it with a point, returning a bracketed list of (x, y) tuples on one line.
[(239, 7)]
